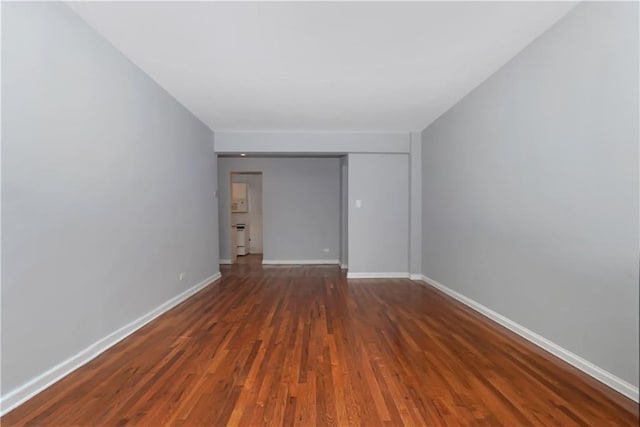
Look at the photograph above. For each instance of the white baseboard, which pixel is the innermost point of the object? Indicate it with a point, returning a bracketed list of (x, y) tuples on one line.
[(18, 396), (395, 275), (344, 266), (605, 377), (225, 261), (299, 261), (416, 276)]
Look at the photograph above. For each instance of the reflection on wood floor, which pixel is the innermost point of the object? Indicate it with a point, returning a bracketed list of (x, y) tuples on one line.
[(301, 345)]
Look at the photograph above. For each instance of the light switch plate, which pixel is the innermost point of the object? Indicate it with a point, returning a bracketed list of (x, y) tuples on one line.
[(358, 203)]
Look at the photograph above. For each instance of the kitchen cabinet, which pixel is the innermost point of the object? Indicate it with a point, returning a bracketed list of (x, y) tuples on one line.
[(239, 197)]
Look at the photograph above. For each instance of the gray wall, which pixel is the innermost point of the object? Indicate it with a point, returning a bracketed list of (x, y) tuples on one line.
[(312, 143), (344, 211), (415, 211), (300, 206), (530, 189), (107, 191), (379, 230)]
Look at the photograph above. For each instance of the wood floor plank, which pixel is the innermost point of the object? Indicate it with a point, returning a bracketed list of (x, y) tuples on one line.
[(301, 345)]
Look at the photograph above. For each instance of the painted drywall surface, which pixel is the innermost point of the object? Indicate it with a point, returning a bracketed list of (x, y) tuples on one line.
[(344, 211), (312, 142), (530, 189), (379, 229), (253, 218), (300, 206), (255, 214), (415, 212), (107, 191)]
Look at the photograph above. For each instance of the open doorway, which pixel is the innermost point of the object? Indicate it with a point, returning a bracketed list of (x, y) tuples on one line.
[(246, 217)]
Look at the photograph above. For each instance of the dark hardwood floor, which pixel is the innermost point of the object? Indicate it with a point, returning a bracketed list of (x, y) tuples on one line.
[(299, 345)]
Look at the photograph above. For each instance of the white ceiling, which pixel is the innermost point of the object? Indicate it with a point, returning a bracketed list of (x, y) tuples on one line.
[(359, 66)]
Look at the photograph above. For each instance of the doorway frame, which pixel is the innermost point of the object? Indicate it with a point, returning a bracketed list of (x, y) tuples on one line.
[(233, 248)]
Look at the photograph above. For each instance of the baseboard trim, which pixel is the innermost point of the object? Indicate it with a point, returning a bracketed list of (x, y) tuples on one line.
[(225, 261), (344, 266), (416, 276), (18, 396), (605, 377), (298, 261), (394, 275)]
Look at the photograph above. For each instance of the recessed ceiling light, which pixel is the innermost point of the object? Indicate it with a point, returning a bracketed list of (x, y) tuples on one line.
[(242, 155)]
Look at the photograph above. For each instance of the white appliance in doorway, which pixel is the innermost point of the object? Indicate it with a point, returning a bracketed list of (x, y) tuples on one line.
[(242, 239)]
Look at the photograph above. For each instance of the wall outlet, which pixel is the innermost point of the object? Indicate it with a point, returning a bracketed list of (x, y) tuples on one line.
[(326, 250), (181, 276)]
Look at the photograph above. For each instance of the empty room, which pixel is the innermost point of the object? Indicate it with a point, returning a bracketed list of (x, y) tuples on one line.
[(320, 213)]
